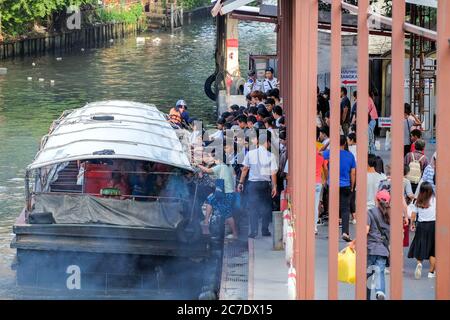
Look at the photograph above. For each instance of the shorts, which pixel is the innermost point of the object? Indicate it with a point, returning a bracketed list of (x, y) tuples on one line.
[(222, 206)]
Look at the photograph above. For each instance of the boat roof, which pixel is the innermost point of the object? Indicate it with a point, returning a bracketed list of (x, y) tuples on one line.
[(112, 130)]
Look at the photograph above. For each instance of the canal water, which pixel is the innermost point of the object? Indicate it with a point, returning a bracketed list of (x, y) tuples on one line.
[(157, 72)]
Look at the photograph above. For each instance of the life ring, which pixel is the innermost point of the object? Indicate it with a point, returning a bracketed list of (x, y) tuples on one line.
[(208, 87)]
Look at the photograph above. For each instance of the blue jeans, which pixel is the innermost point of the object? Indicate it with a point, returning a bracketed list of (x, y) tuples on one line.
[(375, 268), (316, 203), (371, 135)]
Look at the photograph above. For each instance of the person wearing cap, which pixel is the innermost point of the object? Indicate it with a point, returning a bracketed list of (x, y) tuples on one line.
[(378, 235), (252, 84), (175, 114), (184, 114), (270, 82)]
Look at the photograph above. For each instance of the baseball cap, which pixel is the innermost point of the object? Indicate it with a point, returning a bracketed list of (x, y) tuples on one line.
[(383, 195), (269, 69), (181, 103), (251, 73)]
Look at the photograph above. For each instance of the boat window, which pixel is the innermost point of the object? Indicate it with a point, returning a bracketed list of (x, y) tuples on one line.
[(103, 118)]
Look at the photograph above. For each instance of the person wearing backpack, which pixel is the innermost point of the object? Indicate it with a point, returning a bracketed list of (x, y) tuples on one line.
[(417, 161), (378, 235)]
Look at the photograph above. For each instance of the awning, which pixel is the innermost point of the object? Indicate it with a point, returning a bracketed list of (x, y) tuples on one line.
[(238, 9), (113, 130)]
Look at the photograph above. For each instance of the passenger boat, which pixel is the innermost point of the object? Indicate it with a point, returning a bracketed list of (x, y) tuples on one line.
[(109, 202)]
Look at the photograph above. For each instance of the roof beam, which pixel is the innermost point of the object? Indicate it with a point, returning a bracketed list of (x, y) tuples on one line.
[(231, 5), (407, 27)]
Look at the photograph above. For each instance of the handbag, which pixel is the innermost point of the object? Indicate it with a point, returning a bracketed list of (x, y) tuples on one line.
[(384, 236)]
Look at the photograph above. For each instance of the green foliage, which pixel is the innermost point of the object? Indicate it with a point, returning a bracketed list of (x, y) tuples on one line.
[(192, 4), (18, 16), (119, 14)]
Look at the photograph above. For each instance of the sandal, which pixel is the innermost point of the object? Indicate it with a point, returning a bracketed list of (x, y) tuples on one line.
[(346, 238)]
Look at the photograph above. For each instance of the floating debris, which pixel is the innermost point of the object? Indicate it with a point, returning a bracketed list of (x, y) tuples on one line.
[(33, 64), (41, 79), (30, 78), (59, 59), (111, 40), (82, 49), (3, 71), (52, 82), (172, 36), (156, 40), (140, 40)]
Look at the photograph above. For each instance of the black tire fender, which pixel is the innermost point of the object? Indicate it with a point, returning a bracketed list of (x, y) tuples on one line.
[(208, 86)]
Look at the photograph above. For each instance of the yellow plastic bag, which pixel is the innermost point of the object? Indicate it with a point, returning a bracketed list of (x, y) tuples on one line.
[(347, 266)]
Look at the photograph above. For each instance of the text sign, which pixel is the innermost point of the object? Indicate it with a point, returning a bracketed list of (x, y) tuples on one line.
[(349, 77), (384, 122)]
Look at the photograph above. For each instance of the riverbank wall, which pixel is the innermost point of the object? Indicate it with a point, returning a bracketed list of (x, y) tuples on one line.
[(57, 43), (197, 13)]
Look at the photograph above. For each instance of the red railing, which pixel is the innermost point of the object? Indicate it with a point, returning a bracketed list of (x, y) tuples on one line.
[(298, 75)]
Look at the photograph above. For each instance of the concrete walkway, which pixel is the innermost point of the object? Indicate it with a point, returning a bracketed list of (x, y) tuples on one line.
[(268, 279)]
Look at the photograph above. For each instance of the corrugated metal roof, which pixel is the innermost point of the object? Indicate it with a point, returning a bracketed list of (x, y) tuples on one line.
[(112, 130)]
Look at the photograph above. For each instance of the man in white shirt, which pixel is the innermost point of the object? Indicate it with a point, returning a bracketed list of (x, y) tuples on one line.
[(262, 167), (252, 84), (270, 82)]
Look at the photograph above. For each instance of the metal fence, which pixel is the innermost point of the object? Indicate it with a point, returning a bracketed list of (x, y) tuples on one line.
[(298, 22)]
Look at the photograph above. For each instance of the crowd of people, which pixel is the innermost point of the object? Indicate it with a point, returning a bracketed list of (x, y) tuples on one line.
[(251, 173)]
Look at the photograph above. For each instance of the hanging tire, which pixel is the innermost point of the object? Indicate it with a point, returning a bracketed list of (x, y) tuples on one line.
[(208, 87)]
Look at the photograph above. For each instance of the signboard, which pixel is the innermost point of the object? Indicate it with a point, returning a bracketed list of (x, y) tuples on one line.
[(384, 122), (349, 77), (232, 43)]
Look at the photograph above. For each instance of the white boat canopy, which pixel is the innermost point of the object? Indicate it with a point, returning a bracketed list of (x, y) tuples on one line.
[(112, 130)]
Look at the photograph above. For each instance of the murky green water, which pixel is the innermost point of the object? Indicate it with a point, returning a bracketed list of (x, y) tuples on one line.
[(155, 73)]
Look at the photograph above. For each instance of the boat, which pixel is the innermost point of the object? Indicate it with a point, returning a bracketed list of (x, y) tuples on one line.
[(109, 203)]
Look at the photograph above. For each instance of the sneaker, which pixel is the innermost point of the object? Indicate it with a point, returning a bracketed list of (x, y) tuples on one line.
[(380, 295), (354, 221), (418, 272), (316, 231), (320, 222), (231, 237), (266, 234), (431, 275), (386, 271), (252, 236)]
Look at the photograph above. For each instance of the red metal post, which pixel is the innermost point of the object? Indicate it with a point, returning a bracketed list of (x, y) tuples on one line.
[(295, 172), (284, 40), (362, 137), (310, 146), (398, 89), (443, 154), (302, 157), (335, 75)]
